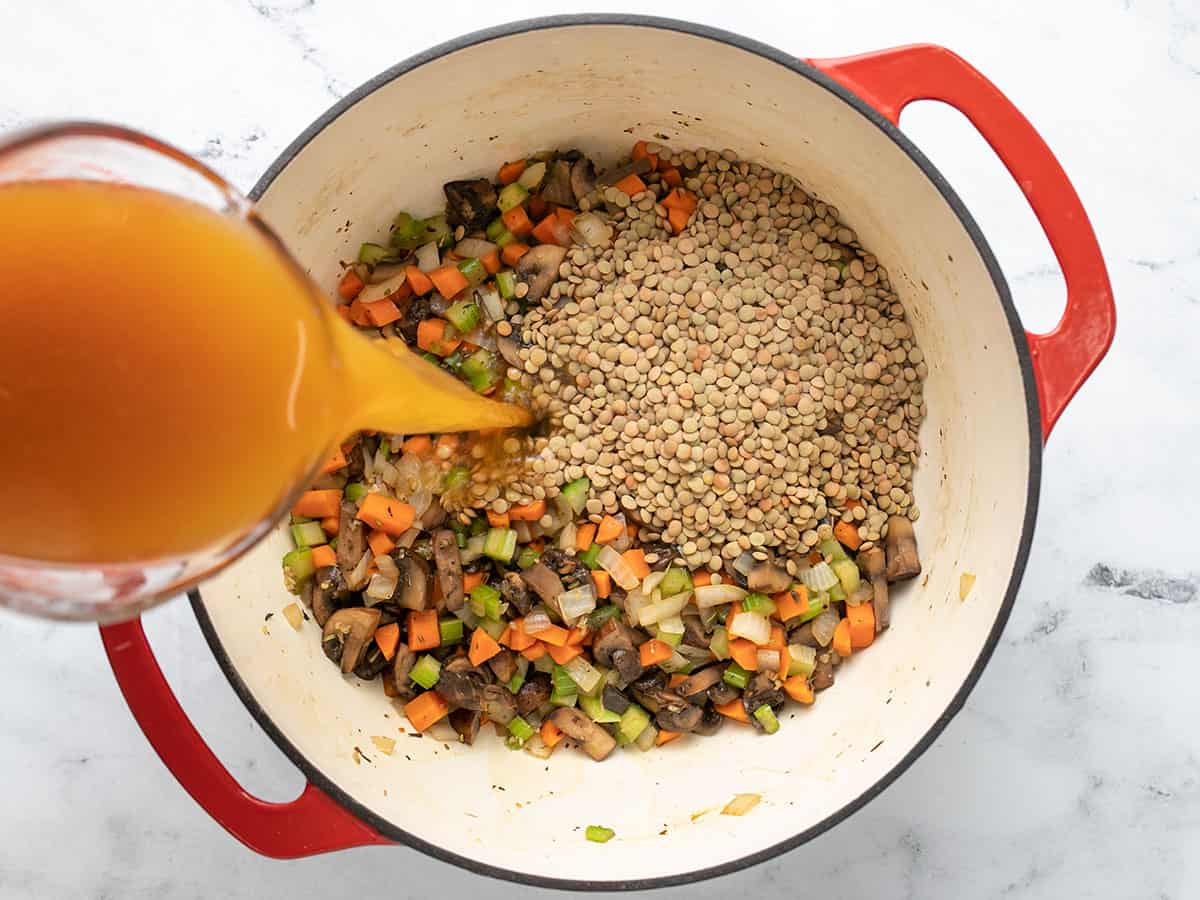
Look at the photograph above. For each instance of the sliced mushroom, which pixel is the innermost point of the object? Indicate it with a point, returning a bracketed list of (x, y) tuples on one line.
[(596, 742), (768, 578), (695, 686), (470, 203), (503, 666), (873, 566), (614, 648), (498, 703), (462, 689), (822, 676), (676, 714), (538, 269), (902, 559), (544, 582), (710, 723), (762, 690), (510, 350), (533, 693), (466, 722), (328, 588), (583, 178), (354, 462), (513, 589), (414, 313), (372, 663), (636, 167), (449, 568), (722, 693), (557, 187), (614, 700), (434, 516), (351, 542), (347, 634), (412, 587), (694, 633), (402, 664), (803, 635)]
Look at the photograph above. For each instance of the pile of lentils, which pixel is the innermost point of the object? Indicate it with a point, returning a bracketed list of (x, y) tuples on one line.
[(731, 387)]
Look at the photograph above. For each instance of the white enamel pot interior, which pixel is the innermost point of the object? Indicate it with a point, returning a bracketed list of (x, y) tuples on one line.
[(594, 84)]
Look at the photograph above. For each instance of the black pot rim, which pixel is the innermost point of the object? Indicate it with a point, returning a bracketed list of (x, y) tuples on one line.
[(804, 70)]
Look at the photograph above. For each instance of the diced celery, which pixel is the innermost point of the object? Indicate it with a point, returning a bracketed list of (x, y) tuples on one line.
[(758, 603), (832, 549), (299, 520), (575, 493), (505, 238), (457, 477), (817, 603), (493, 627), (479, 525), (474, 272), (590, 557), (506, 284), (596, 710), (297, 568), (801, 660), (602, 615), (520, 729), (719, 645), (527, 557), (373, 254), (355, 491), (481, 369), (599, 834), (511, 196), (837, 594), (516, 682), (560, 699), (669, 638), (464, 314), (736, 676), (847, 573), (766, 718), (426, 672), (451, 630), (562, 681), (479, 597), (501, 544), (407, 231), (495, 229), (437, 230), (675, 581), (310, 534), (431, 357), (633, 721)]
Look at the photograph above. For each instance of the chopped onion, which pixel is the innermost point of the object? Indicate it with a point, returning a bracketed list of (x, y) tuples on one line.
[(466, 615), (493, 306), (803, 657), (481, 336), (358, 575), (745, 562), (387, 566), (473, 247), (577, 602), (635, 603), (715, 594), (420, 500), (823, 627), (768, 659), (537, 747), (651, 581), (566, 537), (741, 804), (473, 550), (532, 176), (381, 587), (675, 663), (670, 607), (522, 529), (645, 740), (590, 230), (695, 654), (428, 257), (409, 537), (671, 625), (381, 290), (584, 674), (819, 577), (610, 560), (649, 613), (537, 621), (755, 627)]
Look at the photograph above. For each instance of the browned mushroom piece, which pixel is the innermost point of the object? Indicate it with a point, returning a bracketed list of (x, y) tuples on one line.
[(614, 648), (636, 167), (434, 516), (449, 568), (457, 688), (470, 203), (347, 634), (762, 690), (514, 591), (583, 178), (412, 587), (503, 666), (695, 686), (533, 693), (328, 588), (614, 700), (803, 635), (351, 542), (543, 582), (466, 722), (498, 703), (710, 723), (596, 742), (822, 676), (768, 578), (902, 559), (871, 562), (722, 693), (372, 663), (676, 714), (402, 664), (510, 350), (538, 269), (557, 186)]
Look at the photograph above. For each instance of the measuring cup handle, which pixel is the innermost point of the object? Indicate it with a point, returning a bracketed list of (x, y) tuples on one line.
[(312, 823), (891, 79)]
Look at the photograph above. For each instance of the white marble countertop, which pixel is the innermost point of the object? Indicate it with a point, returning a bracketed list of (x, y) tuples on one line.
[(1085, 784)]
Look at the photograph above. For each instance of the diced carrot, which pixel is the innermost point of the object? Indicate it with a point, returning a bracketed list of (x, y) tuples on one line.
[(815, 557), (423, 631), (551, 734), (631, 185), (418, 444), (329, 525), (847, 535), (603, 582), (578, 636), (514, 636), (841, 638), (380, 542), (636, 560), (585, 536), (513, 252), (552, 634), (449, 281), (640, 152), (387, 514), (473, 580), (318, 504), (537, 545), (608, 530), (791, 603), (323, 556), (534, 651), (483, 647), (497, 520), (678, 220), (511, 171), (350, 285), (778, 639), (337, 460), (861, 621), (425, 710), (679, 198), (437, 336), (344, 313), (537, 206), (853, 504), (654, 651), (797, 688), (701, 578), (447, 442), (676, 680), (563, 655), (552, 230), (387, 637), (566, 216), (491, 262), (527, 512), (744, 653), (358, 313), (632, 531), (733, 710), (664, 736), (421, 285), (517, 221), (381, 312), (672, 177)]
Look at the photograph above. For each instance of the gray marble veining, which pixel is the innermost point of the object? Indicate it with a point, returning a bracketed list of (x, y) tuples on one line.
[(1073, 771)]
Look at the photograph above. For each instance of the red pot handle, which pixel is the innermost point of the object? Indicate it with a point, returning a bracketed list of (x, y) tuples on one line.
[(891, 79), (310, 824)]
